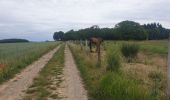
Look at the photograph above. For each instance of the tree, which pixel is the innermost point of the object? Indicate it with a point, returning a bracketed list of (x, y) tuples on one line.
[(58, 35), (125, 30), (131, 30), (156, 31)]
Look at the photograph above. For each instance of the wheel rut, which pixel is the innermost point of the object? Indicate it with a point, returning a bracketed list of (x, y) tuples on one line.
[(15, 87), (72, 87)]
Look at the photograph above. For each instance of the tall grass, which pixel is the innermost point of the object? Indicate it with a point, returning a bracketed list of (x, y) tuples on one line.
[(114, 86), (129, 50), (87, 66), (144, 75), (106, 85), (113, 61), (15, 56)]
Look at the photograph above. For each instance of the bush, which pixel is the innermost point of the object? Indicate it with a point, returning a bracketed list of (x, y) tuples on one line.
[(113, 62), (130, 50), (115, 86)]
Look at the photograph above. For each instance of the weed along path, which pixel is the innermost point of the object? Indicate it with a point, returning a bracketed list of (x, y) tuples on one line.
[(14, 88), (71, 87)]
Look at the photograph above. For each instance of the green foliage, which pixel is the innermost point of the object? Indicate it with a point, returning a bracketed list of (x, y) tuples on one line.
[(58, 35), (113, 61), (130, 30), (156, 31), (114, 86), (130, 50), (125, 30)]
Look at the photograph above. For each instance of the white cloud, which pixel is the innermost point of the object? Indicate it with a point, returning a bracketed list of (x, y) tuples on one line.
[(34, 18)]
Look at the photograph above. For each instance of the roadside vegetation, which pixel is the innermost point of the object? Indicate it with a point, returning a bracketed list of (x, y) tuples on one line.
[(45, 85), (144, 78), (16, 56), (130, 50), (113, 61)]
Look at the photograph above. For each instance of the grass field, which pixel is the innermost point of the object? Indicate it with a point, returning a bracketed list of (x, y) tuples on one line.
[(144, 78), (15, 56), (154, 46)]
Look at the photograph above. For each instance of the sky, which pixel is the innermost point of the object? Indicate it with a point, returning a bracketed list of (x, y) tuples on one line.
[(37, 20)]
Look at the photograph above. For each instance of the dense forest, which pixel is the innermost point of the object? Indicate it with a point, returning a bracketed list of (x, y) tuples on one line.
[(125, 30)]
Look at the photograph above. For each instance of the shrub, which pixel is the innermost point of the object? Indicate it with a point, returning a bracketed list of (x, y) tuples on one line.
[(130, 50), (113, 62)]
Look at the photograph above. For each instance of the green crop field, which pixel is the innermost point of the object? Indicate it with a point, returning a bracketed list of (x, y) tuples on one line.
[(15, 56), (154, 46), (117, 78)]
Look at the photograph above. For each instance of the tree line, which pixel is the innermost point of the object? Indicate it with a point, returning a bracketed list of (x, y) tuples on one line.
[(125, 30), (13, 40)]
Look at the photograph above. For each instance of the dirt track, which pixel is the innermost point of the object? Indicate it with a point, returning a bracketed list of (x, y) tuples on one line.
[(13, 89), (71, 87)]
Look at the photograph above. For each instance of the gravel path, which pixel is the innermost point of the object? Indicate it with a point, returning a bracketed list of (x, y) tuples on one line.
[(13, 89), (71, 87)]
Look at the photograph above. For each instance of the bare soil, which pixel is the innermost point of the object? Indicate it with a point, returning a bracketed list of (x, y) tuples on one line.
[(72, 87), (15, 87)]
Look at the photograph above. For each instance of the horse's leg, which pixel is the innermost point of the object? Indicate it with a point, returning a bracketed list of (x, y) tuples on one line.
[(90, 45), (98, 53)]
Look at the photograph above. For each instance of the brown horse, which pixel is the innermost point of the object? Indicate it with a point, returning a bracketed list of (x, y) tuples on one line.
[(96, 41)]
